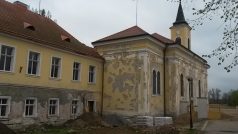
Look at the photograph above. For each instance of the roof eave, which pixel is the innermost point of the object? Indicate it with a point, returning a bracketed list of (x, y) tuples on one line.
[(189, 51)]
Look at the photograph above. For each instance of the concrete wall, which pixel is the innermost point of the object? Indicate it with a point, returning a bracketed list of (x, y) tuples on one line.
[(202, 108)]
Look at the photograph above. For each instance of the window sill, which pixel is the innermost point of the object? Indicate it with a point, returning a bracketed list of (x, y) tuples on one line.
[(74, 115), (155, 95), (34, 116), (7, 72), (91, 83), (4, 118), (55, 79), (75, 81), (53, 116), (33, 76)]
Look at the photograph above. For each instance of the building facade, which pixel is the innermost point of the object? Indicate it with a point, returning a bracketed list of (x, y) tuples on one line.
[(148, 74), (48, 76)]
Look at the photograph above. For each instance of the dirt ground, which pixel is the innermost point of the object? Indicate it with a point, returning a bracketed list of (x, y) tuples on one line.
[(93, 124), (5, 130)]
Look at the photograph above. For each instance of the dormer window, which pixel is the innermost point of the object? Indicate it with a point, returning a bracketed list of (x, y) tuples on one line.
[(65, 38), (29, 26)]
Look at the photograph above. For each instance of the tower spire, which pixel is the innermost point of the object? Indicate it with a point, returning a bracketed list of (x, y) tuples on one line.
[(180, 15)]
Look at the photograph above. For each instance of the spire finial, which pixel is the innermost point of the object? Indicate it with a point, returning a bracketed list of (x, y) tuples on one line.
[(180, 16)]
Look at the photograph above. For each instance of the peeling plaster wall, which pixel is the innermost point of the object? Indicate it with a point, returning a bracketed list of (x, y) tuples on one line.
[(128, 80), (19, 93), (155, 62), (177, 63)]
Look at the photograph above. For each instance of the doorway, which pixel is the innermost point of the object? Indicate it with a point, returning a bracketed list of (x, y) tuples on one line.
[(91, 106)]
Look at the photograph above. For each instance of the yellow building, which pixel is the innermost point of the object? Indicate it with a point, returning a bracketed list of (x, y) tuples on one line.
[(46, 75)]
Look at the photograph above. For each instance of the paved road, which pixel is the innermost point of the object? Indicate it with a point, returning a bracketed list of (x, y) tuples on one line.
[(222, 127)]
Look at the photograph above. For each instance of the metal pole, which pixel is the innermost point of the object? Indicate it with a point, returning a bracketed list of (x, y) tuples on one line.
[(39, 6), (137, 1)]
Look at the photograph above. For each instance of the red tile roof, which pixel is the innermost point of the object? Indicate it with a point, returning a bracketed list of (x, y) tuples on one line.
[(162, 38), (134, 31), (47, 32), (130, 32)]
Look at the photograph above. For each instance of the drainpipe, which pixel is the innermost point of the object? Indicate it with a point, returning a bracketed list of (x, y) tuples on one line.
[(102, 88), (164, 83)]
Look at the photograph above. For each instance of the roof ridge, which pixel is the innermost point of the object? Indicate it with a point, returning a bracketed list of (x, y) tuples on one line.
[(129, 32)]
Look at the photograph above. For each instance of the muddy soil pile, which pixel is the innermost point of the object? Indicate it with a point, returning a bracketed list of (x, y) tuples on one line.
[(5, 130)]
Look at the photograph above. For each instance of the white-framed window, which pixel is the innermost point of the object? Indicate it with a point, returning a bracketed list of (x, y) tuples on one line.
[(55, 67), (33, 63), (75, 107), (76, 71), (155, 82), (92, 74), (53, 107), (6, 58), (30, 109), (4, 106)]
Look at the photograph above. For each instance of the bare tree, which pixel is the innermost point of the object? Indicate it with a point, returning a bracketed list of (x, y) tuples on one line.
[(227, 11), (214, 95)]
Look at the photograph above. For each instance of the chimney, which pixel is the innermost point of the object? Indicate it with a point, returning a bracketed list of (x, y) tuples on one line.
[(21, 5)]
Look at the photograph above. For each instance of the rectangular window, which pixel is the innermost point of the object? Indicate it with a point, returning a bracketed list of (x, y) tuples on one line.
[(191, 88), (75, 107), (91, 74), (53, 107), (4, 107), (76, 71), (156, 82), (30, 107), (55, 67), (33, 63), (6, 58)]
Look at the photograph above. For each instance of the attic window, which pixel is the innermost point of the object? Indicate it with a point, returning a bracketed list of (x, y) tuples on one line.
[(29, 26), (65, 38)]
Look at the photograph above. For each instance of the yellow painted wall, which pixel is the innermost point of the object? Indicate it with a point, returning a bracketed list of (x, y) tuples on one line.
[(183, 31), (22, 47), (128, 77)]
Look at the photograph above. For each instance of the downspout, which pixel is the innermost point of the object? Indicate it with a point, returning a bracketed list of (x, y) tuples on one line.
[(102, 94), (165, 82)]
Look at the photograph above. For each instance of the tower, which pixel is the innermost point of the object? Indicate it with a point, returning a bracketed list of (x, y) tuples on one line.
[(181, 31)]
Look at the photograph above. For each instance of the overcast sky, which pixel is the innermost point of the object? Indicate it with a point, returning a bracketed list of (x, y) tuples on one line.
[(90, 20)]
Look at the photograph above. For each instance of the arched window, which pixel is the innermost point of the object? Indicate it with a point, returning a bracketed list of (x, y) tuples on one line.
[(199, 89), (154, 82), (158, 82), (181, 85), (178, 40)]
